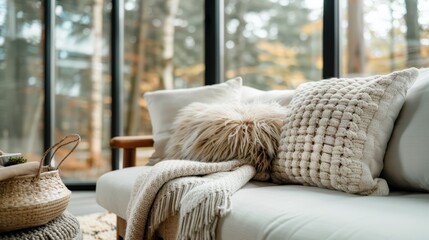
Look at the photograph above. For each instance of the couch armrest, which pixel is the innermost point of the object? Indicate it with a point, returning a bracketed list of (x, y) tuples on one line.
[(129, 144)]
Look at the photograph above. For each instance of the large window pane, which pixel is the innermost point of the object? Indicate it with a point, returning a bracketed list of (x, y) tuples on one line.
[(382, 36), (21, 78), (82, 90), (273, 44), (164, 47)]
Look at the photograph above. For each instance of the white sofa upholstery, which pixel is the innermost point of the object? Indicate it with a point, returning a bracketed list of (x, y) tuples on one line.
[(270, 211)]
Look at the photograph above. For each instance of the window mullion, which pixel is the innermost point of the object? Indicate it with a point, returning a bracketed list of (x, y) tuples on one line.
[(214, 41), (49, 74), (117, 58), (331, 38)]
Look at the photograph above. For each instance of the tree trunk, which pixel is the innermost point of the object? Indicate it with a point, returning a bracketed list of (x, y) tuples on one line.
[(96, 100), (240, 41), (392, 40), (134, 110), (10, 97), (33, 125), (170, 9), (413, 33), (355, 42)]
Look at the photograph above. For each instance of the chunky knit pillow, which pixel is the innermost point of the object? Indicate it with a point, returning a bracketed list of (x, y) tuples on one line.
[(226, 131), (337, 131)]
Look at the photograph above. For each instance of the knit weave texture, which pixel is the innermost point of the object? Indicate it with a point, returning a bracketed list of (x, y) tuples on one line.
[(199, 192), (64, 227), (337, 131)]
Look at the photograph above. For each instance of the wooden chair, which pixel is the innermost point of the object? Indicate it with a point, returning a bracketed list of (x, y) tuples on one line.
[(129, 144)]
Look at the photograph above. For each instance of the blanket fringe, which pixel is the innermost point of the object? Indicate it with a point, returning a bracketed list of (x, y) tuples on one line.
[(172, 185), (168, 204), (202, 207), (200, 222)]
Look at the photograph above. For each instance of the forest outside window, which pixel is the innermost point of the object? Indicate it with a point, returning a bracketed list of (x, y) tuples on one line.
[(164, 49), (273, 44), (380, 37), (21, 77)]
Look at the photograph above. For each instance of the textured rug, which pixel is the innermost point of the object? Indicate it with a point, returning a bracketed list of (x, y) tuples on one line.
[(98, 226)]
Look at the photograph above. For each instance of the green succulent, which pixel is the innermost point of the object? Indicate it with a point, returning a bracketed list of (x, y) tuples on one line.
[(15, 160)]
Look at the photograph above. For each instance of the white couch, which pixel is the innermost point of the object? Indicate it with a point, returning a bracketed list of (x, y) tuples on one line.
[(264, 210)]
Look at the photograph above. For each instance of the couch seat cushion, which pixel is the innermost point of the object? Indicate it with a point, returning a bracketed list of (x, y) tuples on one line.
[(264, 211), (114, 188), (269, 211)]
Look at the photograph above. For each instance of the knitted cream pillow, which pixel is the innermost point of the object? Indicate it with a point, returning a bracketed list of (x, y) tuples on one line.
[(337, 131), (226, 131)]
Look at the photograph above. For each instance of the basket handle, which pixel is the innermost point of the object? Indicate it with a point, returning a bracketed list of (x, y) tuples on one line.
[(72, 138)]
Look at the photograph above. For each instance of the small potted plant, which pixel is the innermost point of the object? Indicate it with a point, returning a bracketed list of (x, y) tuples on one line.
[(7, 159)]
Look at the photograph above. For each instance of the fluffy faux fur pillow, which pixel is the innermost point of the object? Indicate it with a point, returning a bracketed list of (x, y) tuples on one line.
[(163, 106), (219, 132)]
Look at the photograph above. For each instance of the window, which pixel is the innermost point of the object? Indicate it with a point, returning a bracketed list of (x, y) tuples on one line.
[(164, 42), (380, 37), (21, 78), (273, 44), (82, 85)]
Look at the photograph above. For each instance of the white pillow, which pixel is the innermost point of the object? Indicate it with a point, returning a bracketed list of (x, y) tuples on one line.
[(251, 95), (406, 164), (336, 133), (163, 106)]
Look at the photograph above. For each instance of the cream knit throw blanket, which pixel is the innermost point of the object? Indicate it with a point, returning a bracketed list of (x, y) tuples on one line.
[(199, 191)]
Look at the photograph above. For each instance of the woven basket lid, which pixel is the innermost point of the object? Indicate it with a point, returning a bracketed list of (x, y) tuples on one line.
[(64, 227)]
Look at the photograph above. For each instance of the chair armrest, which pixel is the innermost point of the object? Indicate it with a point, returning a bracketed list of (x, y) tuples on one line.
[(131, 141), (129, 144)]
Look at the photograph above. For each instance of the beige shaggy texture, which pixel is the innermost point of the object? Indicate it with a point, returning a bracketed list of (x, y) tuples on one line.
[(337, 131), (225, 131)]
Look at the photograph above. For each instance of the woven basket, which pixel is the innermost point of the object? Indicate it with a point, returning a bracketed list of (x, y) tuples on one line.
[(34, 200)]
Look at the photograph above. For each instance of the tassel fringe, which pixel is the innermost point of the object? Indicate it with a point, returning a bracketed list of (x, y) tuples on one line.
[(200, 222)]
